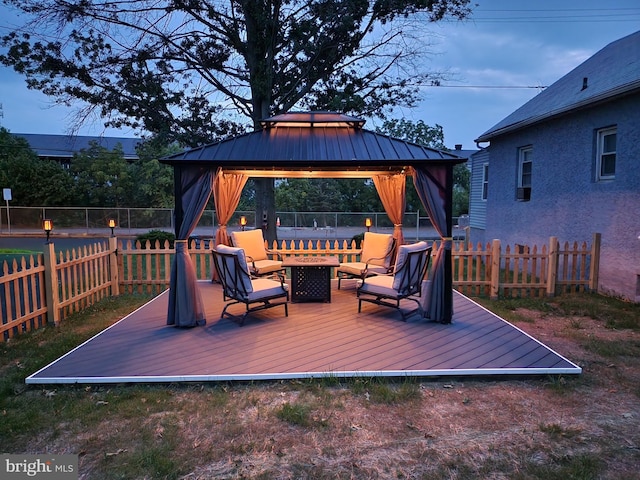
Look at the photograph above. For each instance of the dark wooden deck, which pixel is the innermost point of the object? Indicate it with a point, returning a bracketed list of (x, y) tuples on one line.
[(317, 339)]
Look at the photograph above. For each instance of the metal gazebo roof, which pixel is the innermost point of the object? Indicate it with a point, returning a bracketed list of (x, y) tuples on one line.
[(310, 141)]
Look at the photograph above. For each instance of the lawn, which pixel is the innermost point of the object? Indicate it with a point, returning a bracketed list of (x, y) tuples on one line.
[(584, 427)]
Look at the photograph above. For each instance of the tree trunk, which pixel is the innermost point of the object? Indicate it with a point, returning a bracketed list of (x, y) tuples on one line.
[(266, 208), (265, 187)]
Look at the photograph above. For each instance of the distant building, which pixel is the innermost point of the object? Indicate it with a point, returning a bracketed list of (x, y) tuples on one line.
[(61, 148), (462, 153), (567, 164)]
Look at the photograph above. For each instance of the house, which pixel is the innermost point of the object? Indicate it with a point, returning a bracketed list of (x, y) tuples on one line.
[(61, 148), (567, 164)]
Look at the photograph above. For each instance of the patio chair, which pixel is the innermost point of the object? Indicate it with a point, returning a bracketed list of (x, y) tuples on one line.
[(259, 258), (237, 285), (405, 282), (376, 257)]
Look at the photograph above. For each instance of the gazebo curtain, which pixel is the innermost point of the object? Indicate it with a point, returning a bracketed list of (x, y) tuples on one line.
[(392, 193), (433, 187), (227, 188), (193, 188)]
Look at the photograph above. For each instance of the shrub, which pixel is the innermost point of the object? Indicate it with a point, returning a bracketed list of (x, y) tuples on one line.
[(359, 238), (153, 235)]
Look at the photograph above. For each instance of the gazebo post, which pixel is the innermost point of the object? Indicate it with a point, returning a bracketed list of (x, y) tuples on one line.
[(177, 199), (448, 267)]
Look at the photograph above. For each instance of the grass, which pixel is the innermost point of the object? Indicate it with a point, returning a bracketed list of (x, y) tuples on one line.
[(26, 411), (335, 428), (8, 255), (615, 313), (16, 251)]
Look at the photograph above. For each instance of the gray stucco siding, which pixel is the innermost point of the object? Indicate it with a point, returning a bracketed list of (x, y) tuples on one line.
[(566, 201)]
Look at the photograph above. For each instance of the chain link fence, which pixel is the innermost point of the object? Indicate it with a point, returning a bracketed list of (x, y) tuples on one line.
[(133, 221)]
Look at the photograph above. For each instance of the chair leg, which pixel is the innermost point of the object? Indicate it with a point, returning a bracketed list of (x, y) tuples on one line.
[(224, 310), (381, 302)]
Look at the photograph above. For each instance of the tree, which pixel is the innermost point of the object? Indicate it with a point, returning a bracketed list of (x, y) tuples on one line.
[(154, 180), (415, 132), (33, 182), (177, 68), (327, 195), (432, 137), (103, 177)]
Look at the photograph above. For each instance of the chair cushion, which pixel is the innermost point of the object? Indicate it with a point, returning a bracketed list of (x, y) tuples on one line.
[(403, 253), (252, 242), (242, 262), (264, 287), (378, 285), (267, 266), (376, 246), (356, 268)]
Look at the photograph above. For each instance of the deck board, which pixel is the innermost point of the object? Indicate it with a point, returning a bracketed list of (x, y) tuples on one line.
[(315, 340)]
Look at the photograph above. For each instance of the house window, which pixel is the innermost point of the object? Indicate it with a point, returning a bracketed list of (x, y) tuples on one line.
[(525, 161), (485, 180), (606, 157)]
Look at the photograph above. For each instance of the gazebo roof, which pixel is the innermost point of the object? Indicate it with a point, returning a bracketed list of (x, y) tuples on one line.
[(312, 141)]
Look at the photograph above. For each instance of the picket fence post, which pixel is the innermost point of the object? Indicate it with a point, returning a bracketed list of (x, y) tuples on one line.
[(51, 284), (113, 266), (552, 272), (594, 269), (495, 269)]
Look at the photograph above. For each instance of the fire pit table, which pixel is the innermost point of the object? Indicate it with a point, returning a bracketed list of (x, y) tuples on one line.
[(311, 278)]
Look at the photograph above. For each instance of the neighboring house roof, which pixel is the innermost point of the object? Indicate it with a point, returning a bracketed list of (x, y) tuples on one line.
[(64, 146), (466, 154), (612, 72), (301, 140)]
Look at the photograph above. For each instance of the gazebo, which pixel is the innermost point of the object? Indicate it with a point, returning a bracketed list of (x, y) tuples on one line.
[(308, 144)]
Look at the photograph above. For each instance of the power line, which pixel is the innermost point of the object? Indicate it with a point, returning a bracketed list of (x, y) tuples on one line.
[(571, 15), (553, 20), (559, 9), (540, 87)]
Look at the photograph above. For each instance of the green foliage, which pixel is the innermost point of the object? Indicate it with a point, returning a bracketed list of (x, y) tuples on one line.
[(33, 182), (154, 180), (415, 132), (461, 189), (102, 176), (359, 238), (432, 137), (154, 236), (327, 195)]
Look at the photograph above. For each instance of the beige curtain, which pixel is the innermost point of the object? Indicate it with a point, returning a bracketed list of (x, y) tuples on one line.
[(391, 190), (227, 188)]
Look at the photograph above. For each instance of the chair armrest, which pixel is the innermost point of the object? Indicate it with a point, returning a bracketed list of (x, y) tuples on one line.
[(389, 268), (376, 258), (274, 252), (365, 276), (249, 258)]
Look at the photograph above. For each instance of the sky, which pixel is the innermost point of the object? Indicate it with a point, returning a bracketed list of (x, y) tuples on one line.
[(494, 62)]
